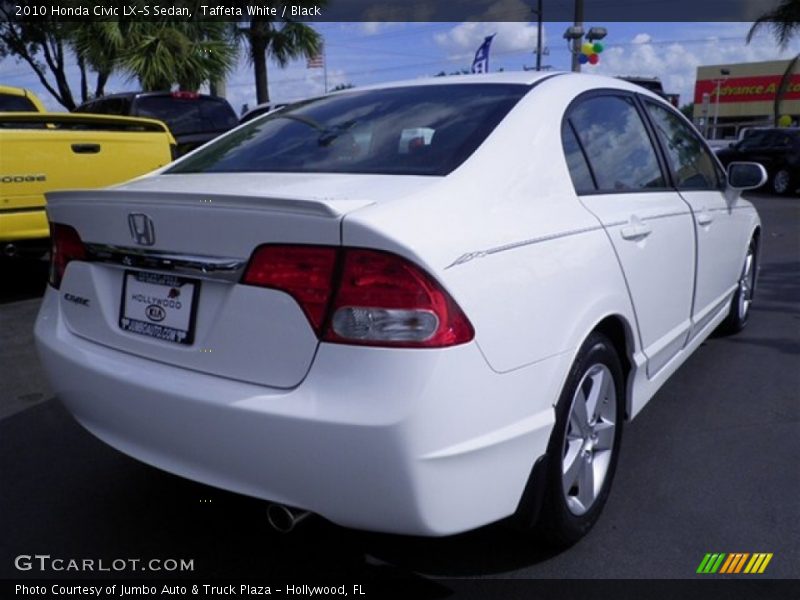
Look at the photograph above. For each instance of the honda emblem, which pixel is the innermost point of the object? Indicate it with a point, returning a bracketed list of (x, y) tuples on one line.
[(142, 230)]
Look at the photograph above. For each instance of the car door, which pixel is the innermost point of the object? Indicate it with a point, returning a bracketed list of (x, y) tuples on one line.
[(647, 222), (720, 228)]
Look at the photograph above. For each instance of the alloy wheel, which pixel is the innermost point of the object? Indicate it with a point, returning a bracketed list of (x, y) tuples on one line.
[(746, 284), (589, 440)]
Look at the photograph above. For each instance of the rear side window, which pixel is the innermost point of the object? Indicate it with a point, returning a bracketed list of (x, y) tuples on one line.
[(9, 103), (617, 145), (416, 130), (692, 165), (576, 161), (187, 115)]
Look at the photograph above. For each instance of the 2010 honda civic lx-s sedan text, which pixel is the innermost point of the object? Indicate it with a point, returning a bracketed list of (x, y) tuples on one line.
[(420, 307)]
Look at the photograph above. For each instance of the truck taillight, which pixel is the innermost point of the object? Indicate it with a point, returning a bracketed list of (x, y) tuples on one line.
[(360, 296), (66, 246)]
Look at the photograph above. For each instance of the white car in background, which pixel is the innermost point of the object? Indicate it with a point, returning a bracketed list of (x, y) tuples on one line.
[(416, 308)]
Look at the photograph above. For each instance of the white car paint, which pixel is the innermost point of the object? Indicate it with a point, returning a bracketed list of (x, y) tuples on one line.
[(418, 441)]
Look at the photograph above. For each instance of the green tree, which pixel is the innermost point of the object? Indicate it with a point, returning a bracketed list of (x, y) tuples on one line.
[(44, 45), (784, 23), (688, 111), (282, 40), (188, 53), (157, 53), (97, 45)]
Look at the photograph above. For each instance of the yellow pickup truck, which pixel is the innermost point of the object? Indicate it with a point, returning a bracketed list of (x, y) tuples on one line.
[(42, 152)]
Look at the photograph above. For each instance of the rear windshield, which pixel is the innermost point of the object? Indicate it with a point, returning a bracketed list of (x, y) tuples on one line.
[(419, 130), (188, 115), (9, 103)]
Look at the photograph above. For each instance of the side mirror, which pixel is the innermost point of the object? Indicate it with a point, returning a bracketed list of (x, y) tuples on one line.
[(746, 175)]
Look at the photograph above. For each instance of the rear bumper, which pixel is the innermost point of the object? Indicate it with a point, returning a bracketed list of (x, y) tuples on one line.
[(23, 224), (427, 442)]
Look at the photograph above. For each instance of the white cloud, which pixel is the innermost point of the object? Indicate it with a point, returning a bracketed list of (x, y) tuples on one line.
[(464, 39), (641, 38), (676, 63), (370, 28)]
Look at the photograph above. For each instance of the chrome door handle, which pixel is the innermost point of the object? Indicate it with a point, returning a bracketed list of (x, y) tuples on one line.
[(637, 230)]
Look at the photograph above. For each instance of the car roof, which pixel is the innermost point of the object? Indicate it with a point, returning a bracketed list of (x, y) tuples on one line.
[(146, 95), (520, 77), (580, 81)]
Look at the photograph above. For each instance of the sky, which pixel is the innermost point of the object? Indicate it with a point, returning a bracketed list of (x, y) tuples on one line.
[(367, 53)]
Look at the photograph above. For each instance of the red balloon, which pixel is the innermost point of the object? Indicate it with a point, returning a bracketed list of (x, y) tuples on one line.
[(594, 59)]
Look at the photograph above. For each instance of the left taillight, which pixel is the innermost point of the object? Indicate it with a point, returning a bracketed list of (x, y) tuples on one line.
[(66, 246), (362, 297)]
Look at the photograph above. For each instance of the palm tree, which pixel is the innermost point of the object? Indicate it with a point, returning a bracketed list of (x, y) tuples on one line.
[(283, 41), (97, 45), (784, 22), (157, 53), (160, 54)]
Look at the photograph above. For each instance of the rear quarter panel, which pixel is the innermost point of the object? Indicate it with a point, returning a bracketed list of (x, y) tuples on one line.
[(507, 236)]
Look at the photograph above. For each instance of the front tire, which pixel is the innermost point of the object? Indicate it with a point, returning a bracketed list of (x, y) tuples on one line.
[(584, 447), (742, 300), (782, 182)]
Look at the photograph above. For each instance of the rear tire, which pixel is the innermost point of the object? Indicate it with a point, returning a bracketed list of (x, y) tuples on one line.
[(739, 311), (584, 446)]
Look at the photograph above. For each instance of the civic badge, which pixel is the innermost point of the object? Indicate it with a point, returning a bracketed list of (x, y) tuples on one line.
[(142, 230)]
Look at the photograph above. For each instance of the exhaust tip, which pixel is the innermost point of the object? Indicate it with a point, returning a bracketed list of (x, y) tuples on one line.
[(10, 250), (284, 519)]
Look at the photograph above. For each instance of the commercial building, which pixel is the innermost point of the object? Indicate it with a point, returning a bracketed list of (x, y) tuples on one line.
[(729, 97)]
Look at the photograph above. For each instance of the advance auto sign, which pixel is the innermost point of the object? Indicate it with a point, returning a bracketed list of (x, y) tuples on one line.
[(746, 89)]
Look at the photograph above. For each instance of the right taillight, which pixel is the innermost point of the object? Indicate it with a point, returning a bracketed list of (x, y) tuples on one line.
[(360, 296), (66, 246), (303, 272), (386, 300)]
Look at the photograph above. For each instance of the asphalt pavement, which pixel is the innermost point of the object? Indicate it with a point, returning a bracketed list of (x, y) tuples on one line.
[(710, 465)]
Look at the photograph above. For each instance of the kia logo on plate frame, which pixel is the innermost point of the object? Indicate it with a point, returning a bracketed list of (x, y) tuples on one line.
[(142, 230)]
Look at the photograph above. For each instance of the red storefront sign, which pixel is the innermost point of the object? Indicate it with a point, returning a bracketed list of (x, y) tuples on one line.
[(746, 89)]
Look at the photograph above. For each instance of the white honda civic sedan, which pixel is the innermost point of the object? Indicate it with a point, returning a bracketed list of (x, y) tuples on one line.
[(420, 307)]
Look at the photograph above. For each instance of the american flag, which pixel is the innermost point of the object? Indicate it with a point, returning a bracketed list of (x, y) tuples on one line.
[(316, 62)]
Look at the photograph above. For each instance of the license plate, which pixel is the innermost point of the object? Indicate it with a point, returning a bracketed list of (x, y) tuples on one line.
[(159, 305)]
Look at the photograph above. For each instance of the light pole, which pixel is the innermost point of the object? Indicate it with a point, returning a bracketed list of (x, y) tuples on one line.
[(719, 82), (574, 36), (539, 16)]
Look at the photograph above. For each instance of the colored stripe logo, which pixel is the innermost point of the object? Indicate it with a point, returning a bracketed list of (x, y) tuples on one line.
[(735, 562)]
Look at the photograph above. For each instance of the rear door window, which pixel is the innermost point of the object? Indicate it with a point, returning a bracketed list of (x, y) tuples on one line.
[(617, 144), (576, 161)]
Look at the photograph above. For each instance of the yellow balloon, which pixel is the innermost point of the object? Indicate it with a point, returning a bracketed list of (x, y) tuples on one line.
[(785, 121), (587, 48)]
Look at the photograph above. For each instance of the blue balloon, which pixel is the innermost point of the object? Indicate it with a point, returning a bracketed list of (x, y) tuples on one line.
[(583, 59)]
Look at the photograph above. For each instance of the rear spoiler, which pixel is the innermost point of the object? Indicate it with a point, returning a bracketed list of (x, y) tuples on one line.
[(83, 122), (303, 206)]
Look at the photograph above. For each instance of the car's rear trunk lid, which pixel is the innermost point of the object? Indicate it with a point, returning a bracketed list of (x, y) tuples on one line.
[(152, 246)]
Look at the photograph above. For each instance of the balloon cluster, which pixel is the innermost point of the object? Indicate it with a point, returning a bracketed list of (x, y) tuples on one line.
[(590, 53)]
